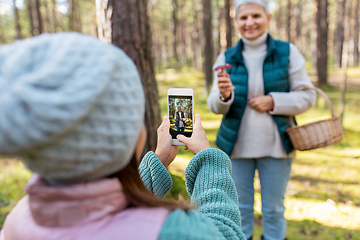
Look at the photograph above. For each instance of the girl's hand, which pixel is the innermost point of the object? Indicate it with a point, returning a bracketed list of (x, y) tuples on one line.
[(165, 151), (198, 140), (225, 85), (262, 103)]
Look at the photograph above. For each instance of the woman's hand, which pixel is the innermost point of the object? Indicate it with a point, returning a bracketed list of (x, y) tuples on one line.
[(225, 85), (198, 140), (165, 151), (262, 103)]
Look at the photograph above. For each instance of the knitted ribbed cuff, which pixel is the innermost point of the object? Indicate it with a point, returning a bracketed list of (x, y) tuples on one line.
[(154, 175), (211, 160)]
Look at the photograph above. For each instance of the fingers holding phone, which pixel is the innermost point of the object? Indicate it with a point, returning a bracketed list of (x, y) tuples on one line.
[(198, 141), (165, 151), (225, 85)]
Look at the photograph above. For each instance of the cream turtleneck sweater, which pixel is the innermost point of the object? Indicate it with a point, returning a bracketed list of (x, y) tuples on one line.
[(258, 135)]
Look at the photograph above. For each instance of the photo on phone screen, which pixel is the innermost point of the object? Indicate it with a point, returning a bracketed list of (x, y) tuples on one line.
[(180, 115)]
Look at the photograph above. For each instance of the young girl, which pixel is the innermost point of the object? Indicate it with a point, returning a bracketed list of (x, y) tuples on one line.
[(256, 97), (72, 108)]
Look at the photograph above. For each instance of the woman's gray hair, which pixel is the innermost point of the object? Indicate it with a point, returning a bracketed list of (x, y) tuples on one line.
[(264, 3)]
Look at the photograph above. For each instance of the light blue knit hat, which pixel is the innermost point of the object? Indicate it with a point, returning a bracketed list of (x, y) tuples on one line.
[(71, 106), (264, 3)]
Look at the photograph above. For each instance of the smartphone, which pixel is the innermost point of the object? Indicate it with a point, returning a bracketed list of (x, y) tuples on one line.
[(180, 112)]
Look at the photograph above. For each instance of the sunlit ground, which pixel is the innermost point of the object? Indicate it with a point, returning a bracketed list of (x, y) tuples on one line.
[(322, 199)]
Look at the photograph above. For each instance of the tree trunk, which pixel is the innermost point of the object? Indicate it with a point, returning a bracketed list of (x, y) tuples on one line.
[(313, 37), (70, 13), (279, 20), (208, 48), (306, 29), (288, 26), (175, 26), (217, 45), (54, 13), (47, 25), (196, 43), (17, 21), (91, 18), (157, 47), (345, 60), (356, 34), (126, 25), (299, 13), (31, 17), (229, 25), (182, 25), (322, 38), (343, 84), (39, 19), (339, 33), (348, 33), (74, 18), (165, 52), (78, 25)]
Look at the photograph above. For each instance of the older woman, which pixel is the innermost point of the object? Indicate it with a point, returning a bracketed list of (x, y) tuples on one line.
[(180, 119), (257, 96)]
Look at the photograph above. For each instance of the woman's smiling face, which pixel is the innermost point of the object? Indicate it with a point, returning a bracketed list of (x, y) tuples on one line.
[(252, 20)]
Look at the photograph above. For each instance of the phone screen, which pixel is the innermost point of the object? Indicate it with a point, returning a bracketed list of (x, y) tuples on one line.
[(180, 115)]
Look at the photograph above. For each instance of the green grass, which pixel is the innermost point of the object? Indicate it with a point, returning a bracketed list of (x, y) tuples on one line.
[(13, 177), (322, 199)]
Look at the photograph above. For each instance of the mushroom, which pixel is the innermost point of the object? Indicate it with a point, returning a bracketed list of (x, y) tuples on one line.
[(223, 67)]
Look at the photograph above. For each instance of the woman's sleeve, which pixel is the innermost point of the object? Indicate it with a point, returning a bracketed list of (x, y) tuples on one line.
[(189, 225), (209, 184), (154, 175), (215, 104), (294, 102)]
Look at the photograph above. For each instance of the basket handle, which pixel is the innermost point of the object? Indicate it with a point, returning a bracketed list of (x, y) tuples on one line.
[(323, 94)]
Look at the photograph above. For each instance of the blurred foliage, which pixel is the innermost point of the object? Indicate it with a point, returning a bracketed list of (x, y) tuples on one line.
[(178, 188)]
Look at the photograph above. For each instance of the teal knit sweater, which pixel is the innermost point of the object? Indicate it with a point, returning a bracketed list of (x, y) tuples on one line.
[(209, 184)]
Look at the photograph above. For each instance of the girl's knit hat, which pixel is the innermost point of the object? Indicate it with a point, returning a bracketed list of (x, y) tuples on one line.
[(264, 3), (71, 106)]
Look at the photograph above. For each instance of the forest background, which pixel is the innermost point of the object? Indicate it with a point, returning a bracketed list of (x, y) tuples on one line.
[(183, 40)]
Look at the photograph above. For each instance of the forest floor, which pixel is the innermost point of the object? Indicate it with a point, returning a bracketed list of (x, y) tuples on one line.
[(322, 199)]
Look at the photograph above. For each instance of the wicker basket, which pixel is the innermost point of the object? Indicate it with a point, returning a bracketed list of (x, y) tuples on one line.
[(317, 134)]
